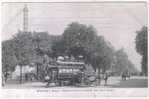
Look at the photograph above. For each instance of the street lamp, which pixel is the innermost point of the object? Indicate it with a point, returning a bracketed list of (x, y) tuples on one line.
[(37, 48)]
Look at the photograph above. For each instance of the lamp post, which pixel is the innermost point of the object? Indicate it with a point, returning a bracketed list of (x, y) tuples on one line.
[(37, 48)]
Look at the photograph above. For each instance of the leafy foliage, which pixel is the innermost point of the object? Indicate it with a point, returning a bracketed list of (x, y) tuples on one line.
[(26, 48), (141, 47), (77, 40), (8, 56), (123, 63)]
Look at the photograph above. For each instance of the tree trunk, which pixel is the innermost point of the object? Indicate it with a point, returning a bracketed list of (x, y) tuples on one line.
[(98, 76), (20, 74), (6, 73), (37, 70)]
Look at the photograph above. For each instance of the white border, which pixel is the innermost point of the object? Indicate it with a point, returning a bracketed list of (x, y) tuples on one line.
[(22, 93)]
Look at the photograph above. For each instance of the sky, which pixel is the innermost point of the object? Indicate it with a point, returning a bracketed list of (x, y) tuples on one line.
[(117, 22)]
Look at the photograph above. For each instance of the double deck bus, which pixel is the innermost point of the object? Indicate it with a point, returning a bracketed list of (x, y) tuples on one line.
[(66, 73)]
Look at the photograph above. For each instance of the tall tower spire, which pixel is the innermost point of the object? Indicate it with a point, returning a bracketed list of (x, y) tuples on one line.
[(25, 18)]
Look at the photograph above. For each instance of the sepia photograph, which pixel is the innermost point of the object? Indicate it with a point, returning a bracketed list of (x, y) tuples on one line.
[(74, 45)]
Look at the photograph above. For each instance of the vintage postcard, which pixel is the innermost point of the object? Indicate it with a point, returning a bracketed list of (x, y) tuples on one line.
[(74, 49)]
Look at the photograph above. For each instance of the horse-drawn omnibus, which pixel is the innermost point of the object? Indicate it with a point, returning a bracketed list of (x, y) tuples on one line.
[(65, 73)]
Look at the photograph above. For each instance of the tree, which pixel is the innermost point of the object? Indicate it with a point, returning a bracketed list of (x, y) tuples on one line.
[(58, 47), (103, 54), (8, 58), (79, 39), (23, 49), (141, 47), (123, 63)]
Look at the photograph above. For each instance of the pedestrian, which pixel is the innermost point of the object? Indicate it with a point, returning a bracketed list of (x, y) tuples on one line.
[(105, 78), (26, 76), (3, 79)]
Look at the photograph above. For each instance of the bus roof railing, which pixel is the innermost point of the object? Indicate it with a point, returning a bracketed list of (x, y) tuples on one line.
[(70, 63)]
